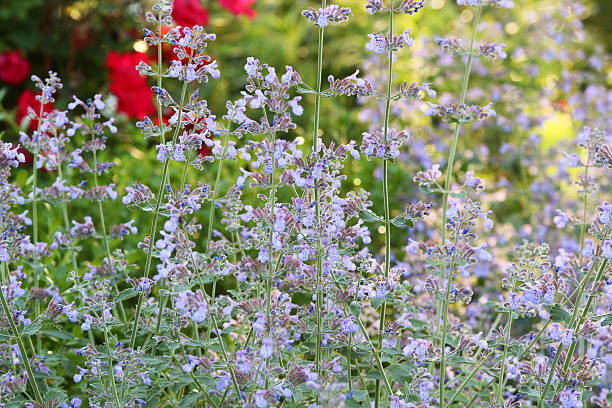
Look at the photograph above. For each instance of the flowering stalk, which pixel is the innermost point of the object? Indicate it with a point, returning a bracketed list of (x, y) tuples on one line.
[(111, 371), (35, 215), (102, 222), (453, 150), (576, 324), (19, 340), (211, 216), (383, 307), (572, 321), (315, 140), (450, 162), (505, 354), (445, 319), (160, 195)]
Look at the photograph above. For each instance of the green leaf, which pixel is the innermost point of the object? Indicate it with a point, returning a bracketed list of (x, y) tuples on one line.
[(189, 400), (459, 194), (304, 90), (60, 334), (428, 190), (399, 374), (359, 395), (355, 309), (126, 294), (55, 395), (31, 329), (369, 216), (401, 220), (377, 302), (529, 391), (606, 321), (559, 314), (17, 402)]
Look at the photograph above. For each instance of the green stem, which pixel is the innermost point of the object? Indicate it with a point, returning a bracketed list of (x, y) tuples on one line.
[(584, 314), (19, 340), (505, 355), (315, 148), (67, 222), (153, 229), (453, 151), (467, 379), (573, 320), (211, 217), (383, 307), (35, 217), (111, 371), (445, 319), (103, 224)]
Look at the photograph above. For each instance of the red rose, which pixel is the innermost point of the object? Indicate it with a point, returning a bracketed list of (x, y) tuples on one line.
[(135, 98), (189, 13), (28, 99), (14, 69), (238, 7)]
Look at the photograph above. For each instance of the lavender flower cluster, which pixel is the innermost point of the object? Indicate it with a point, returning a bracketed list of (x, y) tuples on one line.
[(288, 288)]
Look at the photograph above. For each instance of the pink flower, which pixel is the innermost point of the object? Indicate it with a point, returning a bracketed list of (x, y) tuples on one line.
[(189, 13), (14, 69), (238, 7)]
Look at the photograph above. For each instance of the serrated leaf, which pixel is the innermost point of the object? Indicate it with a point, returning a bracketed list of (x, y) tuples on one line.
[(529, 391), (126, 294), (359, 395), (377, 302), (17, 402), (303, 90), (189, 400), (369, 216), (31, 329), (427, 190), (559, 314), (399, 374), (460, 194), (55, 394), (606, 321), (402, 220), (355, 309), (60, 334)]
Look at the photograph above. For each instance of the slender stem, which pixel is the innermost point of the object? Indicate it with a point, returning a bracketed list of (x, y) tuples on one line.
[(573, 320), (505, 355), (67, 222), (383, 307), (315, 148), (272, 205), (445, 319), (453, 151), (19, 340), (111, 371), (467, 379), (160, 117), (376, 353), (35, 215), (153, 229), (584, 204), (584, 314), (211, 216), (550, 375)]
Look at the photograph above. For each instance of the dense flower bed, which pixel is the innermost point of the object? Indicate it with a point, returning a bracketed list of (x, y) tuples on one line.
[(264, 265)]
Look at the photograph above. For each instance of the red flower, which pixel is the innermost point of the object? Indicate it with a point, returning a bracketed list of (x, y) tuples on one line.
[(238, 7), (28, 99), (134, 95), (14, 69), (189, 13)]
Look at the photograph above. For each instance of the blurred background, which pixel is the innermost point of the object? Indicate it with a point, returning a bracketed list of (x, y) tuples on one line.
[(555, 79)]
